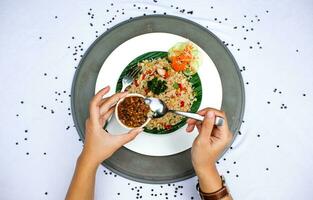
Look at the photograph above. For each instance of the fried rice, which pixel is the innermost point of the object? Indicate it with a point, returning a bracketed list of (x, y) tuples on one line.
[(179, 94)]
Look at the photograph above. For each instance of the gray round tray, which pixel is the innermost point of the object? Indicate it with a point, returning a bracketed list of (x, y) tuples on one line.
[(129, 164)]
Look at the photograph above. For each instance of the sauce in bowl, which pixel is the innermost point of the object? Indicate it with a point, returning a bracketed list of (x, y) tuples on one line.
[(133, 111)]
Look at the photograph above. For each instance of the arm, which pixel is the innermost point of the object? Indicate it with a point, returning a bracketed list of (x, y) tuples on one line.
[(83, 182), (99, 145), (207, 148)]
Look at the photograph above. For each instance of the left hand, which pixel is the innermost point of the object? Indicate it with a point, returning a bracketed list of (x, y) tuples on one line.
[(99, 144)]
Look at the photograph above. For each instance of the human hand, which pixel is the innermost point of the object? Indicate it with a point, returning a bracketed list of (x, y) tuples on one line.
[(211, 141), (99, 144)]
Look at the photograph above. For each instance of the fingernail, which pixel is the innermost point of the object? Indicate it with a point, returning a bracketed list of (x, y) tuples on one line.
[(106, 87), (210, 114)]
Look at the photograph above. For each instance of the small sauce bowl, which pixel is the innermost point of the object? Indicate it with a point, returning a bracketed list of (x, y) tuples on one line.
[(117, 113)]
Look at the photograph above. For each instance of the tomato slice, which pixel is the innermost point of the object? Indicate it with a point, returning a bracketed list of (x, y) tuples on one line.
[(168, 126), (182, 104), (166, 74), (181, 87)]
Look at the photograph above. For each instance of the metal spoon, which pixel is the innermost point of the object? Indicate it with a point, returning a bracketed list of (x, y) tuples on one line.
[(159, 109)]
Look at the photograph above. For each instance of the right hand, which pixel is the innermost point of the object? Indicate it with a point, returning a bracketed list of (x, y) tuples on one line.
[(211, 141)]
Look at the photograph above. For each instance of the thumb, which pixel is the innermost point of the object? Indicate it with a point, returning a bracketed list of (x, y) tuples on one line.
[(127, 137), (208, 124)]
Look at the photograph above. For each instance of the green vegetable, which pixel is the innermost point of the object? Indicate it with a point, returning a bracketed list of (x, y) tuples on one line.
[(188, 72), (175, 85), (157, 86)]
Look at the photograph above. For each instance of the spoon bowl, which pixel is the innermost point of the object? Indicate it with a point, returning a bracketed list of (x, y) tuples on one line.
[(157, 106)]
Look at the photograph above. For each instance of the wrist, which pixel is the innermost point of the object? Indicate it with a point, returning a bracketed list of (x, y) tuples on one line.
[(85, 160), (206, 169), (209, 179)]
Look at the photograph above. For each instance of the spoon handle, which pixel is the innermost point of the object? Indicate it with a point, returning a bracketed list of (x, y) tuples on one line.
[(219, 121)]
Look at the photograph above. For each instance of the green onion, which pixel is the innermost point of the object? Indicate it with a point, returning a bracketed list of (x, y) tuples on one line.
[(175, 85)]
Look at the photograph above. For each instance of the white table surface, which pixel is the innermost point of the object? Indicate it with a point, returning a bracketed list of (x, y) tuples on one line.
[(271, 159)]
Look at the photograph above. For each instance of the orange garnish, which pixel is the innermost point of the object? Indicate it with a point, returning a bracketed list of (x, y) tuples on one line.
[(179, 65), (183, 59)]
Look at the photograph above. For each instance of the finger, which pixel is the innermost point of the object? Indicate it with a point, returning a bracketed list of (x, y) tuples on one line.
[(111, 101), (106, 116), (99, 96), (192, 122), (190, 128), (199, 125), (207, 124), (222, 114), (216, 112), (200, 112), (94, 113), (127, 137), (103, 100)]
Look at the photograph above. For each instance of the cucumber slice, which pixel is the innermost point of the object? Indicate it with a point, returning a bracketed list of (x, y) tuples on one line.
[(188, 72)]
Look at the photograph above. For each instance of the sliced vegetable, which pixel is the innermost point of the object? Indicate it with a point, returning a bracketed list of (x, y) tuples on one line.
[(167, 74), (188, 72), (181, 87), (149, 72), (143, 76), (178, 65), (175, 85), (182, 104), (194, 65), (184, 56), (157, 86), (168, 126)]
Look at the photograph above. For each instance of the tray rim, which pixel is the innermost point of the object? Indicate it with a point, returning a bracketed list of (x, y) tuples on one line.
[(106, 163)]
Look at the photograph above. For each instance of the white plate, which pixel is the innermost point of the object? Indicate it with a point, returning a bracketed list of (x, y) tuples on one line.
[(147, 143)]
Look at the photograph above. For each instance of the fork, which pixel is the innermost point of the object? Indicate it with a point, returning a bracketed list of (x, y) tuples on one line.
[(129, 77)]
